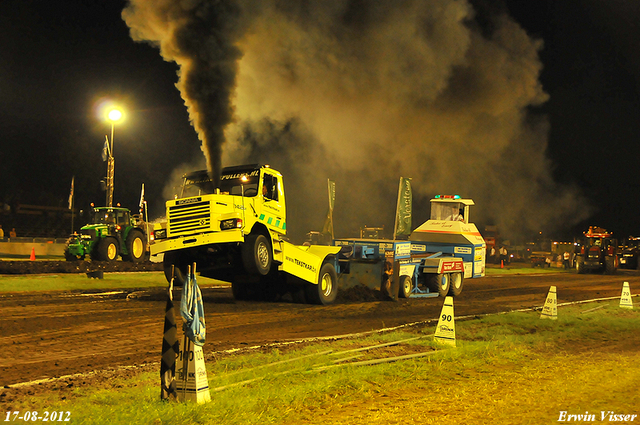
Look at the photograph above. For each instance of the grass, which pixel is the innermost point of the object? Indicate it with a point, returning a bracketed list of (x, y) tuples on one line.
[(510, 368), (79, 281)]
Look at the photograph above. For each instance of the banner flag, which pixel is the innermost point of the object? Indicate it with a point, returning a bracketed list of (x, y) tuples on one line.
[(105, 149), (403, 210), (332, 194), (71, 192), (170, 350), (192, 310), (328, 224), (142, 201)]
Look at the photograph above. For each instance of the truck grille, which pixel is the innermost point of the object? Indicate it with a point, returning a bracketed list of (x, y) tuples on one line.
[(189, 218)]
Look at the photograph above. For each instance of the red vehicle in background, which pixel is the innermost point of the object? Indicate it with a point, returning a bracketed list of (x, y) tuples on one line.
[(598, 252)]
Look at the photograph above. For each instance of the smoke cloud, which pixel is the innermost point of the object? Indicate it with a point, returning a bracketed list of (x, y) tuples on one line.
[(201, 38), (364, 92)]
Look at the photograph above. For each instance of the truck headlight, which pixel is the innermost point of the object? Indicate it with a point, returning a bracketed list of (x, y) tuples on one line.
[(159, 234), (231, 223)]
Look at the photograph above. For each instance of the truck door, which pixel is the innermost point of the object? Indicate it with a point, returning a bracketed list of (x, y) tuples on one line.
[(273, 211)]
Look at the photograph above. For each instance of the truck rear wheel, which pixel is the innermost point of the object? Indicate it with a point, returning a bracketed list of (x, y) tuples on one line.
[(405, 287), (256, 254), (173, 262), (136, 246), (440, 283), (456, 281), (108, 249), (326, 291)]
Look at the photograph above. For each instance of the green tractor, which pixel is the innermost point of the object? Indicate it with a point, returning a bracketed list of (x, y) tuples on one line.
[(113, 231)]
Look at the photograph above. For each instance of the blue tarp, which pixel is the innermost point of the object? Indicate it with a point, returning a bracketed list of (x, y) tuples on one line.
[(192, 311)]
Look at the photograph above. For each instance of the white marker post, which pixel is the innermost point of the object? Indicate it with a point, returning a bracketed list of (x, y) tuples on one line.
[(625, 298), (192, 385), (550, 309), (446, 329)]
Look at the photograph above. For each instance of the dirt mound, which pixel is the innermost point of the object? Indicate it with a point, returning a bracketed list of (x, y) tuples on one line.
[(360, 293), (43, 267)]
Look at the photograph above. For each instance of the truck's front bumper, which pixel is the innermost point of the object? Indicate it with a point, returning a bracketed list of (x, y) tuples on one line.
[(183, 242)]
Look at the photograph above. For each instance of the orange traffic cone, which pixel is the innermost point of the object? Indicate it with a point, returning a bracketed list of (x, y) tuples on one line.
[(502, 264), (33, 254)]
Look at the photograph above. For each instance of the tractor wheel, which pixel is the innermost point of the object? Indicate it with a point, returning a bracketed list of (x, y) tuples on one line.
[(455, 287), (609, 265), (326, 291), (440, 283), (580, 265), (108, 249), (178, 263), (405, 287), (256, 254), (136, 246)]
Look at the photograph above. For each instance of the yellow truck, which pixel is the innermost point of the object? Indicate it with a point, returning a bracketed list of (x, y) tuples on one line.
[(237, 232)]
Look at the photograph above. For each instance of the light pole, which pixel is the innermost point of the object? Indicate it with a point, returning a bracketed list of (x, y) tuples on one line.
[(113, 115)]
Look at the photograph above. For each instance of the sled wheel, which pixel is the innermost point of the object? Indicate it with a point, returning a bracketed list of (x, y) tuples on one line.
[(405, 287), (439, 283), (455, 286)]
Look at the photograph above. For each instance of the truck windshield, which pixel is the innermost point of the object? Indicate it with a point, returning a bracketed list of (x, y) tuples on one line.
[(197, 183), (236, 187), (448, 211), (201, 183)]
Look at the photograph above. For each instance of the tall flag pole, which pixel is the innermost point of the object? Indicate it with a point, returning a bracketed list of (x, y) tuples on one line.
[(144, 214), (71, 201)]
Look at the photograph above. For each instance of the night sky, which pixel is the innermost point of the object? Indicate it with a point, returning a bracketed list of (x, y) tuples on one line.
[(63, 60)]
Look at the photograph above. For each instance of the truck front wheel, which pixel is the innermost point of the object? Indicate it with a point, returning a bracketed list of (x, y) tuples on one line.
[(326, 291), (256, 254), (440, 283), (172, 262)]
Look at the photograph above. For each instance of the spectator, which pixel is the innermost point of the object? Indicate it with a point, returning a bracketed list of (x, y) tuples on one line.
[(12, 233), (504, 255), (565, 259)]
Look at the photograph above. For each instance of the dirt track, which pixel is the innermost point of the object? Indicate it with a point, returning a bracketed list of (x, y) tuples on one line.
[(41, 267), (47, 335)]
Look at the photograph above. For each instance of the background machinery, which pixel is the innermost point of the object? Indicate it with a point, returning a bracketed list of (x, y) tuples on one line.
[(112, 232)]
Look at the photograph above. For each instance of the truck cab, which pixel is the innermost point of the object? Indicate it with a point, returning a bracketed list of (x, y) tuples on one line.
[(236, 226)]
